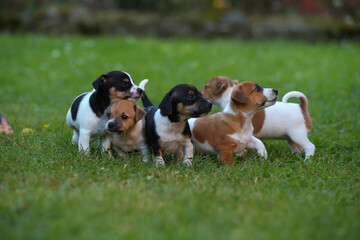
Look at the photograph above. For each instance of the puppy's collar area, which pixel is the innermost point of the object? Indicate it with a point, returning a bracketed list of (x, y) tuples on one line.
[(230, 109)]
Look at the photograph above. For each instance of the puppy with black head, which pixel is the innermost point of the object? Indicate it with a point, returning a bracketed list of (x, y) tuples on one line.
[(166, 128), (85, 115)]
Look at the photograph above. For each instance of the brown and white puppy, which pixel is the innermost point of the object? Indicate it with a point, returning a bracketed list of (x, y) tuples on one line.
[(231, 131), (288, 121), (125, 123)]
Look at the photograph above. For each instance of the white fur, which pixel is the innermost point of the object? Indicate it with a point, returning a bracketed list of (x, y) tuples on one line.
[(171, 137)]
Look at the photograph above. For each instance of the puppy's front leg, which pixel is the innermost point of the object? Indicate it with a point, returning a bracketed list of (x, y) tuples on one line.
[(105, 143), (84, 140), (226, 157), (257, 145), (188, 150)]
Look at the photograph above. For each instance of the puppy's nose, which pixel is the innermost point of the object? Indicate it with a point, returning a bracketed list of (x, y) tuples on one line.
[(209, 106), (140, 91), (275, 91), (111, 125)]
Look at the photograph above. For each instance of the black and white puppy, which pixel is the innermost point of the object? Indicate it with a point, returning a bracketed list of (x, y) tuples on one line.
[(86, 114), (166, 128)]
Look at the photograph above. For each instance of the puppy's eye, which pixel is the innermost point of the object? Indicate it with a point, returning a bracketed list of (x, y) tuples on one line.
[(108, 114), (191, 97), (124, 117), (125, 84), (257, 88)]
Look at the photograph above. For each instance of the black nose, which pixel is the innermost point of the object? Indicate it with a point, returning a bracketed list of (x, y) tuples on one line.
[(111, 125), (275, 91), (209, 106), (140, 91)]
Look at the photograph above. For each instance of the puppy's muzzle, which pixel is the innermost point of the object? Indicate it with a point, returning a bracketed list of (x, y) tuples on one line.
[(112, 126)]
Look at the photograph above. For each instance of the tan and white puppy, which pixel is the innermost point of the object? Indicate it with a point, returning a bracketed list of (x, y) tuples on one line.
[(124, 124), (287, 121), (231, 131)]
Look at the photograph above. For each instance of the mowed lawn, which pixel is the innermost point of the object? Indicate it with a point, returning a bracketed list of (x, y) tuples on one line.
[(50, 191)]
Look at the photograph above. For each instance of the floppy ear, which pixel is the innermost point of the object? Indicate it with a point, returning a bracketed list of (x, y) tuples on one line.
[(98, 82), (165, 105), (220, 87), (139, 113), (239, 96)]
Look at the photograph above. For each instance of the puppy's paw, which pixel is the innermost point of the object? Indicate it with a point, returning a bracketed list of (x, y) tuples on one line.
[(143, 83), (187, 162), (145, 159), (159, 161)]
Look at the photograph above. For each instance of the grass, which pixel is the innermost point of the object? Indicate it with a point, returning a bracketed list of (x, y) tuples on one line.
[(50, 191)]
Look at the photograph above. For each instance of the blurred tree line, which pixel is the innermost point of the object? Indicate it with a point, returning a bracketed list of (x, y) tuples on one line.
[(198, 18), (336, 8)]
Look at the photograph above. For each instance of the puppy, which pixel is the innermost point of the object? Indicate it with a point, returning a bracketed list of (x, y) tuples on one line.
[(288, 121), (231, 131), (124, 123), (85, 115), (166, 128)]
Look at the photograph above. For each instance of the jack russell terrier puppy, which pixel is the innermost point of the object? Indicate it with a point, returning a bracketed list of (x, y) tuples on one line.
[(231, 131), (125, 123), (85, 115), (166, 128), (288, 121)]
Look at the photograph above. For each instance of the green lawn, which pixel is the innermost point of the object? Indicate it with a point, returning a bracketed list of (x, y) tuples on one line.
[(50, 191)]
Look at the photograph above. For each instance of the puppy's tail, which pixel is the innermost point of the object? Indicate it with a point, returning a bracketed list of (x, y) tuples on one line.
[(143, 83), (146, 101), (303, 106)]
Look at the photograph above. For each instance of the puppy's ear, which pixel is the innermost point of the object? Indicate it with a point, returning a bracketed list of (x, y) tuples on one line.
[(239, 96), (220, 88), (165, 105), (139, 113), (98, 82)]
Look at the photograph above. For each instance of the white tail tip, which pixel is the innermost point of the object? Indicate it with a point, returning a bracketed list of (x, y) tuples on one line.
[(143, 83)]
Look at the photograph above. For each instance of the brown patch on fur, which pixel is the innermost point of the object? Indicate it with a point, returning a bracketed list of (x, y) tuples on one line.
[(186, 111), (216, 86), (215, 130), (126, 80), (258, 121), (113, 94), (121, 108), (305, 113)]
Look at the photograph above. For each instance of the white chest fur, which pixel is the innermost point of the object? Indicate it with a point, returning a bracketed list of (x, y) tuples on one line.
[(170, 133)]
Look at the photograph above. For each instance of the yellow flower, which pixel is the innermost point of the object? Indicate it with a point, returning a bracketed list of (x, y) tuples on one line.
[(46, 125), (27, 130)]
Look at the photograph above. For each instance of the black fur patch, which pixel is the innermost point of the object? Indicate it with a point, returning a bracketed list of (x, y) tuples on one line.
[(75, 106), (100, 99), (151, 136)]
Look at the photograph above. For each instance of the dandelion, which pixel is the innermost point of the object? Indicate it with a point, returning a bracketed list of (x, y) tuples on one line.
[(46, 125)]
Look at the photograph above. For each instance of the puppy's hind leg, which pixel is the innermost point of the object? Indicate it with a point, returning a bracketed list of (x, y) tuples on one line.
[(295, 148), (75, 137), (300, 138)]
